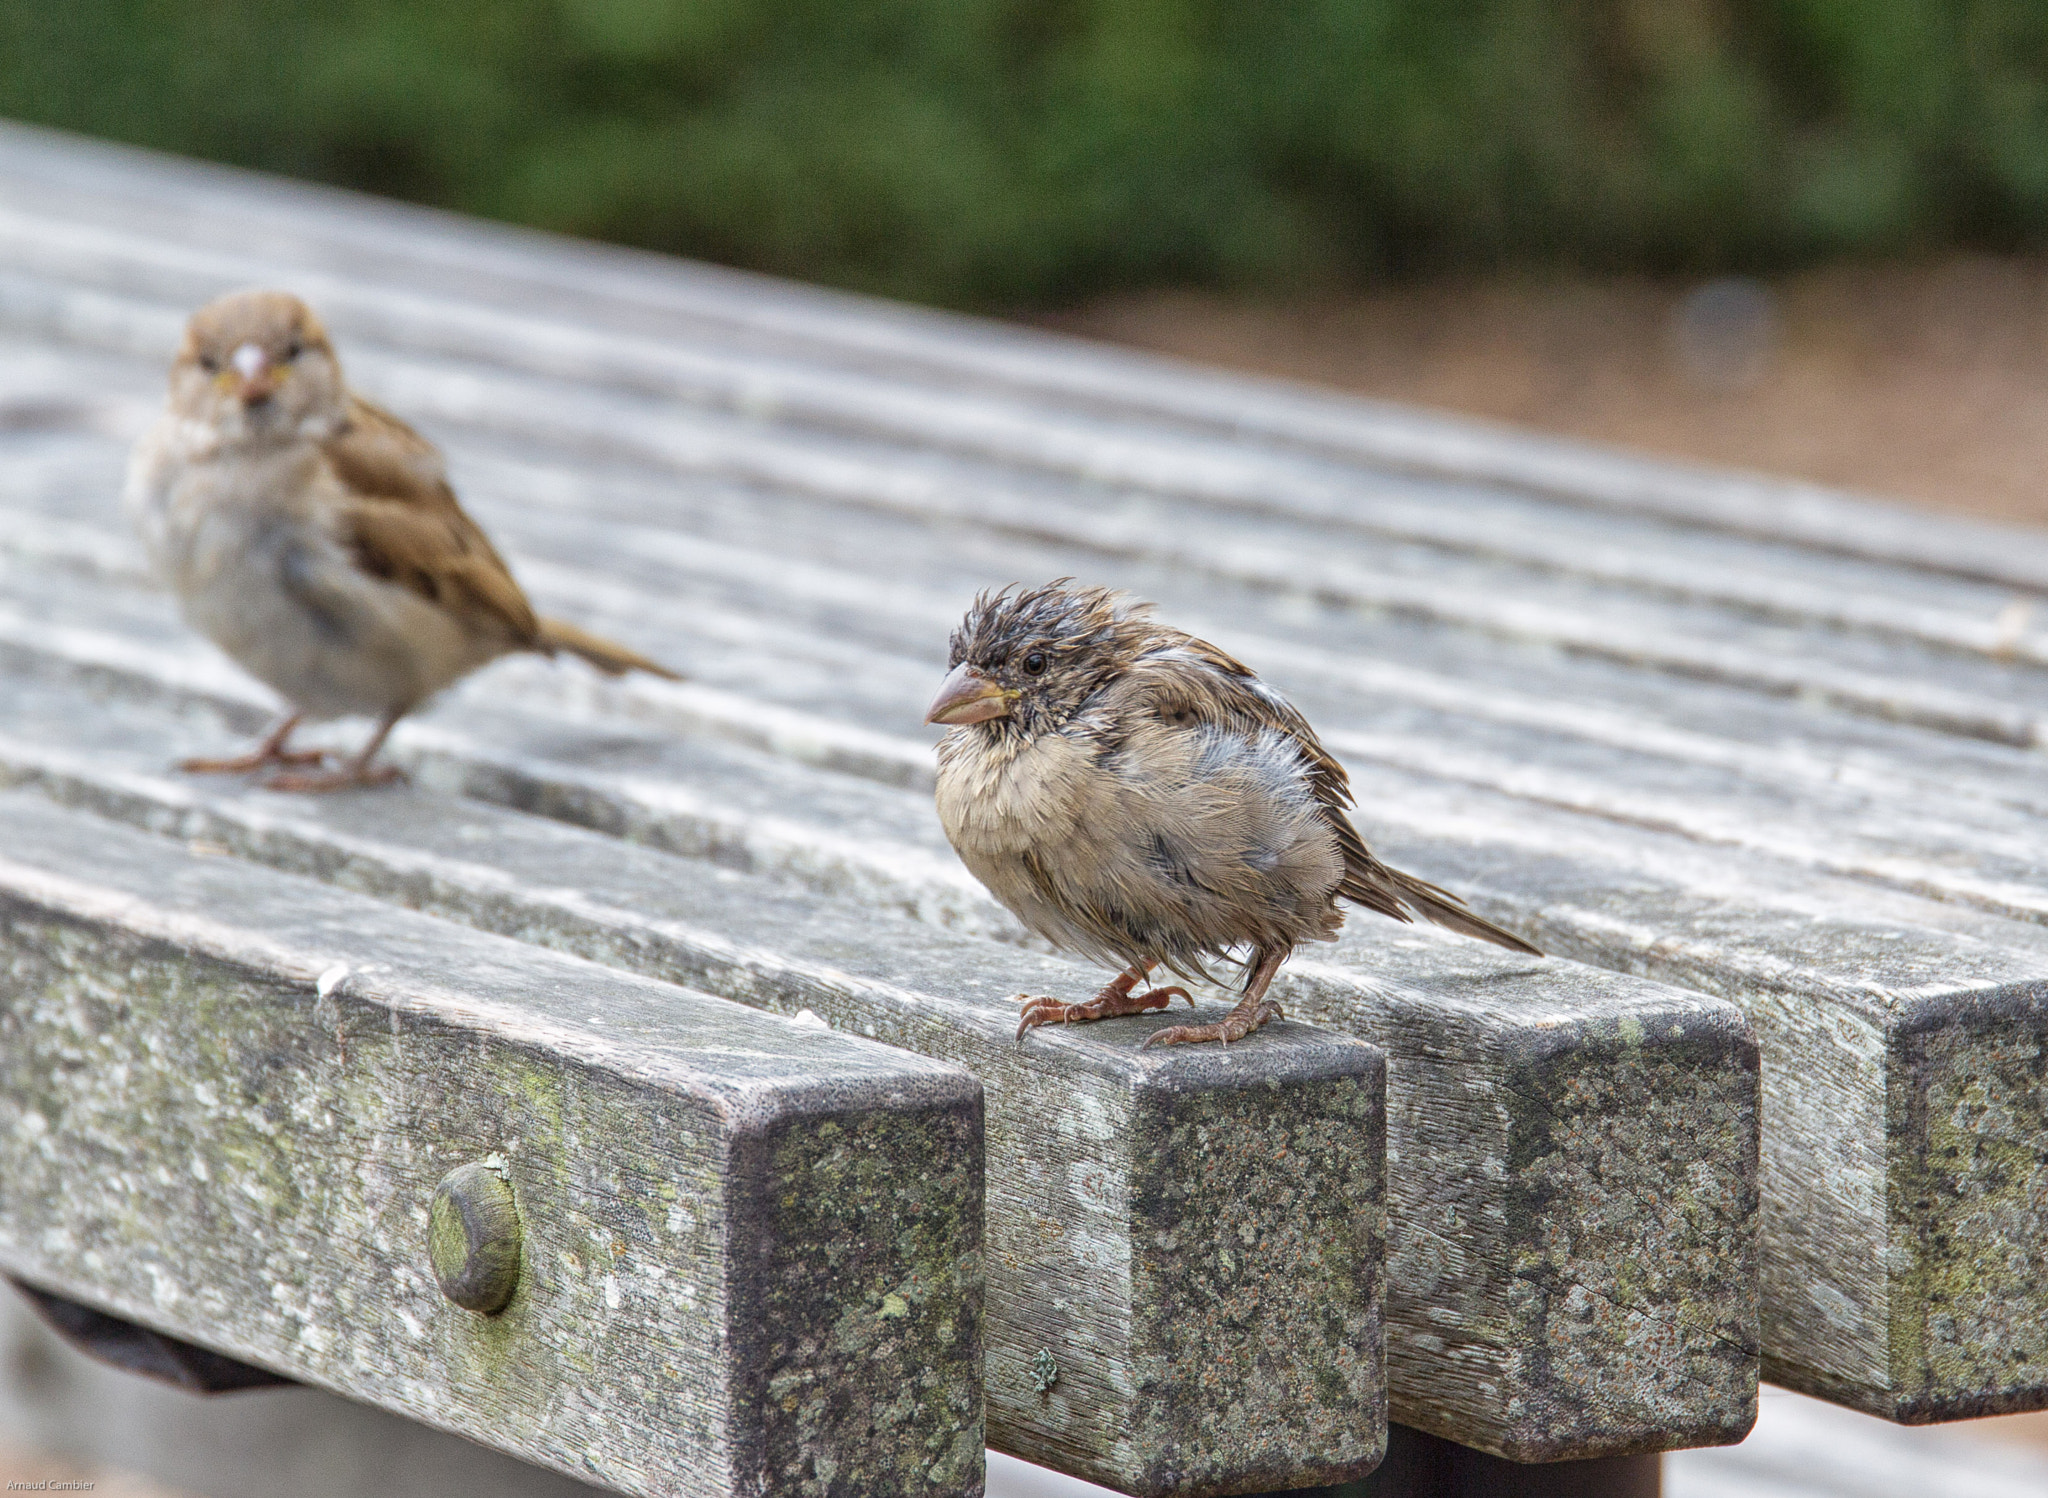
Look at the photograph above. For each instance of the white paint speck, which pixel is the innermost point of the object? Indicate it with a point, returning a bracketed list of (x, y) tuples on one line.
[(809, 1017), (199, 1170), (163, 1290), (611, 1292), (330, 980)]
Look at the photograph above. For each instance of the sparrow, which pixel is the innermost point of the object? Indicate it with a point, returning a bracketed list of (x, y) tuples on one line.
[(1135, 795), (313, 536)]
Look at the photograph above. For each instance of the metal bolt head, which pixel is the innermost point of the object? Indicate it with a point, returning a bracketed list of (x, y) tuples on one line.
[(473, 1239)]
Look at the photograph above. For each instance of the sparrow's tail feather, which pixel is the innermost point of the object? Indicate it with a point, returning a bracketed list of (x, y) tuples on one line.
[(1436, 905), (610, 658)]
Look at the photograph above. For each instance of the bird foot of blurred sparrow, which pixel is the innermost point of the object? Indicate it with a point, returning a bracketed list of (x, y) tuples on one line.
[(1116, 998), (348, 778), (255, 759), (1240, 1022), (269, 753), (354, 775)]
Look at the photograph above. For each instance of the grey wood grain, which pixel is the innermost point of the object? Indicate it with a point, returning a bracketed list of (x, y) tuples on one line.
[(228, 1095), (1613, 895), (1784, 786), (447, 373), (1761, 583), (906, 833), (1901, 1037), (738, 616), (1530, 1102), (1106, 1207), (1901, 825)]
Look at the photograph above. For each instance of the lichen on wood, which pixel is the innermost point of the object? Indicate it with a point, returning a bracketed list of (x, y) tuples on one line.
[(227, 1098)]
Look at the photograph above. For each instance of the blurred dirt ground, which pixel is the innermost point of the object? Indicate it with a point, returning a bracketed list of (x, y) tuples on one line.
[(2027, 1430), (1925, 382)]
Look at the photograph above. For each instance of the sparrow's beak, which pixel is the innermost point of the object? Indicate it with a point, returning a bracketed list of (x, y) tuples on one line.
[(258, 382), (966, 696)]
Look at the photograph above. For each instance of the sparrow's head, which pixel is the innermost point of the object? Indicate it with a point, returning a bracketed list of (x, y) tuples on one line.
[(1028, 658), (256, 366)]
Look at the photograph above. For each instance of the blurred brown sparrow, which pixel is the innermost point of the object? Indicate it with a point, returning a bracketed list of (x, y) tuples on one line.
[(1134, 794), (314, 538)]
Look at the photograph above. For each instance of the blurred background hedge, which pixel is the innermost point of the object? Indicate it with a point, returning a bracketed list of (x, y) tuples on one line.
[(1030, 152)]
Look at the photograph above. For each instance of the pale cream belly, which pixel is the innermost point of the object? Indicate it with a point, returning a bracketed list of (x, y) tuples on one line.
[(332, 641), (1211, 853)]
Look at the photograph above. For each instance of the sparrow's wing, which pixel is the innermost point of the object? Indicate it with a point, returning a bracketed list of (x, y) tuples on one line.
[(406, 527), (1191, 681)]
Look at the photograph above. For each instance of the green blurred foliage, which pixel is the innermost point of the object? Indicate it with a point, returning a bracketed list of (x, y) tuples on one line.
[(1008, 152)]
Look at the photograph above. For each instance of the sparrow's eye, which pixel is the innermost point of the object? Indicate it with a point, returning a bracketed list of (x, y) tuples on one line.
[(1034, 663), (210, 364), (292, 350)]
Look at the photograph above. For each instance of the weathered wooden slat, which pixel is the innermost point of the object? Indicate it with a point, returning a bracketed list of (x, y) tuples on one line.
[(228, 1096), (729, 607), (1972, 621), (313, 227), (1569, 1240), (1950, 617), (1986, 700), (1900, 828), (1906, 1244), (728, 611), (1622, 897), (1104, 1207), (736, 616), (1527, 1098)]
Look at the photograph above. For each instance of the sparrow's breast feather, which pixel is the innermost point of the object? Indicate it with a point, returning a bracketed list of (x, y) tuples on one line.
[(1214, 829)]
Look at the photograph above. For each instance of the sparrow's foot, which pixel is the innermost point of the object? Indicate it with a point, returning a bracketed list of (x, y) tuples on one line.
[(1114, 1000), (255, 759), (1237, 1024), (349, 778), (271, 751)]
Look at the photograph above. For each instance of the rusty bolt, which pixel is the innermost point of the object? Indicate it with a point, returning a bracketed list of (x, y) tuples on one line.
[(473, 1239)]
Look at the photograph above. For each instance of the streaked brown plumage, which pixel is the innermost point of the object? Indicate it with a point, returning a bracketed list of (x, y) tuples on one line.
[(314, 537), (1134, 794)]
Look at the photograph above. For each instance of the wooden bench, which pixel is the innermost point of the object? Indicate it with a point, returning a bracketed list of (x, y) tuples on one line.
[(1758, 762)]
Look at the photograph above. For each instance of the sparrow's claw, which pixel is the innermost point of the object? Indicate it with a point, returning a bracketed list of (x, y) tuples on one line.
[(1235, 1025), (255, 759), (1039, 1011), (1114, 1000), (350, 778)]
